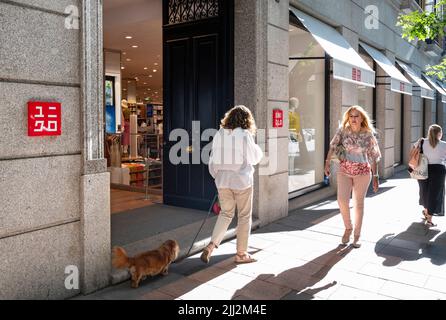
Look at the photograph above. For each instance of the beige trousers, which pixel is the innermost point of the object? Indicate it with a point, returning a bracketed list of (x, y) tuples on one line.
[(230, 200), (359, 185)]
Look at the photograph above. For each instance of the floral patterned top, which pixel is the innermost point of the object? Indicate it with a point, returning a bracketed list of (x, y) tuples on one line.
[(361, 149)]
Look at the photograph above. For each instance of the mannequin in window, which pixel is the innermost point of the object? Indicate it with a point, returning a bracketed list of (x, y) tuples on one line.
[(125, 126), (294, 118), (296, 132)]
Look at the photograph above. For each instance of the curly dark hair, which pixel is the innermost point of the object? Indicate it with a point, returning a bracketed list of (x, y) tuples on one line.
[(239, 117)]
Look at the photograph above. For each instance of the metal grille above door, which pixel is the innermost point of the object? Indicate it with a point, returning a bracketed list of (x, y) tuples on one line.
[(181, 11)]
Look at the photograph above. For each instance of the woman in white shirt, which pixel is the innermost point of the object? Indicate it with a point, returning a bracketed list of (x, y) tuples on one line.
[(233, 157), (432, 189)]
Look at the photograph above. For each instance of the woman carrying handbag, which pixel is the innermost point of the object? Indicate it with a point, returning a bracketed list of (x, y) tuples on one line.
[(357, 149), (432, 188)]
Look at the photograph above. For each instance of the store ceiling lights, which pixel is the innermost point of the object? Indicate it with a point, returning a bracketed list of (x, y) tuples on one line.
[(154, 70), (129, 37), (156, 63), (129, 60), (135, 47), (145, 68)]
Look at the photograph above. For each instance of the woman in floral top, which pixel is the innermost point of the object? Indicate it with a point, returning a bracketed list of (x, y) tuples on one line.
[(361, 154)]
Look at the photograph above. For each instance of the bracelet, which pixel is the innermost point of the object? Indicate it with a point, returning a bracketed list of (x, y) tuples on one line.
[(375, 176)]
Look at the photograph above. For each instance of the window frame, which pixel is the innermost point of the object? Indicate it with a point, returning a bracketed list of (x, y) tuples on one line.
[(327, 72)]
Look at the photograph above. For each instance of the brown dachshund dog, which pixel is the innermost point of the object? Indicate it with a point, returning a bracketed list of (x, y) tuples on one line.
[(148, 263)]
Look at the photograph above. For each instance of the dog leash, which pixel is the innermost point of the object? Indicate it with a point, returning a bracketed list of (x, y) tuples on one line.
[(202, 224)]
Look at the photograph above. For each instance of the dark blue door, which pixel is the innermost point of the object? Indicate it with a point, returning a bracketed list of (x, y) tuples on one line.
[(198, 82)]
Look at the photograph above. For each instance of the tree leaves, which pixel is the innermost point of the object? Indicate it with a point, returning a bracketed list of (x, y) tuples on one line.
[(424, 26)]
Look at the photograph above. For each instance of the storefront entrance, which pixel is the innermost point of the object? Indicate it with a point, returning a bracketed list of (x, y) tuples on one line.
[(199, 87), (167, 64)]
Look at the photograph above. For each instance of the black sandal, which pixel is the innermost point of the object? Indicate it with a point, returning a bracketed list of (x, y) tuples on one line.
[(430, 223)]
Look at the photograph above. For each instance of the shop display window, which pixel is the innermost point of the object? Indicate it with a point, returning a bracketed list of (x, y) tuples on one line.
[(306, 144)]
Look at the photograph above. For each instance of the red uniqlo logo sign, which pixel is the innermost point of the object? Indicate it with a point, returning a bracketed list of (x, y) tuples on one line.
[(401, 86), (356, 74), (44, 119), (277, 118)]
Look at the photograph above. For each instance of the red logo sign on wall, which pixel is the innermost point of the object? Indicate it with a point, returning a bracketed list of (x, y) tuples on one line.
[(402, 86), (44, 119), (356, 74), (277, 118)]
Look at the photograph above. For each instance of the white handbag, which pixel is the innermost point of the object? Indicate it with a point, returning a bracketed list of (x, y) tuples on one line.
[(421, 171)]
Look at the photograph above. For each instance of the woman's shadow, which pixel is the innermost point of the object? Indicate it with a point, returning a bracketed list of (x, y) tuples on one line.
[(409, 245), (300, 279)]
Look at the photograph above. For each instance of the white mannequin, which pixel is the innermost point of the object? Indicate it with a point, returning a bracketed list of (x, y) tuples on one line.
[(294, 119), (294, 104)]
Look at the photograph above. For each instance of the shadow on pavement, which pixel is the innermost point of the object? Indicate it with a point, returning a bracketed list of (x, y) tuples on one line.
[(301, 279), (411, 245)]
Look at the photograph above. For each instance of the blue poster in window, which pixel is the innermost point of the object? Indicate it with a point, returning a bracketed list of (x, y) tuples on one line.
[(150, 110), (110, 119), (109, 88)]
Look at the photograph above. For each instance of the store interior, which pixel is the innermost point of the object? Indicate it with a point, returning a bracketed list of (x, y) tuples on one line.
[(133, 102)]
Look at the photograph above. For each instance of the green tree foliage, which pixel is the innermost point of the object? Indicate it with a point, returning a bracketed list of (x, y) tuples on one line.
[(426, 25)]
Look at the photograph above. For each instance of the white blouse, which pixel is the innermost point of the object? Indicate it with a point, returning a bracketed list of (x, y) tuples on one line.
[(435, 155), (233, 157)]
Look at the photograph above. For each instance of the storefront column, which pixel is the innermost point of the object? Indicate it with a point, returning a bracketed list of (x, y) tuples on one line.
[(342, 96), (430, 110), (385, 121), (441, 116), (95, 181), (413, 123), (261, 83)]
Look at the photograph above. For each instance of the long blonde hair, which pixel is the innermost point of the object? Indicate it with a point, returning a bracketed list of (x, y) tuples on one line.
[(366, 122), (434, 130)]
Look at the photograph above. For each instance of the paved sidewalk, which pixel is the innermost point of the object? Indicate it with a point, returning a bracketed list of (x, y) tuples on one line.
[(299, 258)]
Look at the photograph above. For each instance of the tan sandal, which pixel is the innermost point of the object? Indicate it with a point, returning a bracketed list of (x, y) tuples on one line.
[(346, 236), (206, 254), (244, 258), (356, 243)]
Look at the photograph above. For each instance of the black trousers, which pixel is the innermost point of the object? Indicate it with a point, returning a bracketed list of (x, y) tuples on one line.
[(432, 190)]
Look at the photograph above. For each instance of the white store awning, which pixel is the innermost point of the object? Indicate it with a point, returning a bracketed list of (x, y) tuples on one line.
[(443, 86), (398, 82), (437, 87), (426, 91), (347, 64)]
